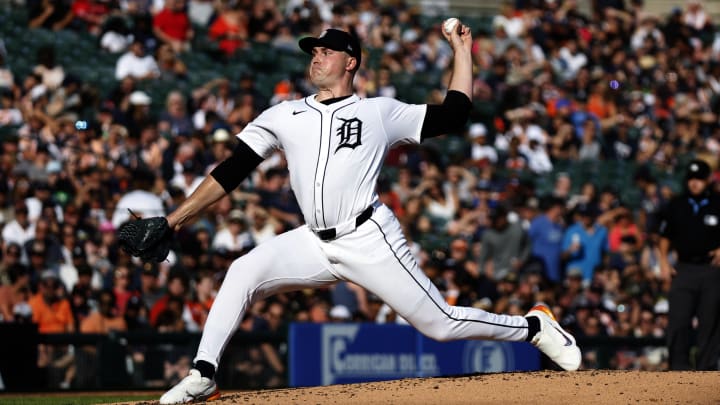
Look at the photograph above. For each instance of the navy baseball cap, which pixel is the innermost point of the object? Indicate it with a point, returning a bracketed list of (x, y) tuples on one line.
[(336, 40), (698, 169)]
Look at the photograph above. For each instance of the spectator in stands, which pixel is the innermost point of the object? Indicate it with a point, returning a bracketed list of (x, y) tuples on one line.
[(515, 161), (202, 297), (278, 198), (10, 115), (263, 21), (537, 157), (20, 229), (115, 36), (585, 242), (190, 178), (589, 147), (142, 29), (504, 246), (481, 153), (8, 290), (140, 199), (136, 118), (37, 263), (10, 257), (149, 289), (106, 317), (174, 120), (177, 289), (350, 296), (122, 288), (170, 66), (172, 26), (136, 63), (510, 20), (696, 17), (546, 235), (262, 226), (90, 15), (74, 259), (224, 99), (235, 237), (51, 247), (51, 14), (440, 203), (221, 148), (80, 304), (230, 28), (52, 313), (624, 226), (51, 73), (15, 298)]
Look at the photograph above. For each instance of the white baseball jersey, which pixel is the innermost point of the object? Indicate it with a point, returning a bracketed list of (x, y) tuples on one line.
[(334, 152), (334, 155)]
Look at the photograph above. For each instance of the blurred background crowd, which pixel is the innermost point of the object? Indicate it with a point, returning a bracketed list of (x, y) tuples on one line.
[(552, 194)]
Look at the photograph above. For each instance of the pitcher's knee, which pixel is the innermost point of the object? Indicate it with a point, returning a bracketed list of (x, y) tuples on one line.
[(439, 331)]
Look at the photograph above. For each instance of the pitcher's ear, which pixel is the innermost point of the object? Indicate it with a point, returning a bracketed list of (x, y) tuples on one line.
[(351, 64)]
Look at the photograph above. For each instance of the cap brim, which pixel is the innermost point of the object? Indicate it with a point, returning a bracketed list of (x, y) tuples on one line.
[(308, 43)]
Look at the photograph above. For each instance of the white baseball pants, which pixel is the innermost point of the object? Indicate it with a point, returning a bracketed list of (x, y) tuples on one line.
[(375, 257)]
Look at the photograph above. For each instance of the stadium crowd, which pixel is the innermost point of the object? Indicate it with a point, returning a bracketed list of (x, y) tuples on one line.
[(479, 223)]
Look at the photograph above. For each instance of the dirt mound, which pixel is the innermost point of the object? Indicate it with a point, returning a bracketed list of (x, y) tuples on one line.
[(582, 387)]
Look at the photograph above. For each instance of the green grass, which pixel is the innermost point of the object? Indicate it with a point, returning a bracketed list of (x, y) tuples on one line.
[(70, 399)]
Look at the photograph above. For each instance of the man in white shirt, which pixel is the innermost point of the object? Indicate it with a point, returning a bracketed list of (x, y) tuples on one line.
[(140, 201), (481, 153), (136, 63), (20, 229), (188, 180), (235, 237)]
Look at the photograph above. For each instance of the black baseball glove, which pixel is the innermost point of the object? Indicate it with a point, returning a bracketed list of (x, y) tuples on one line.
[(147, 238)]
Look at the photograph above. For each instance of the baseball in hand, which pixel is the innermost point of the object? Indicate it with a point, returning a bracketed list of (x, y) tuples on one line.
[(450, 24)]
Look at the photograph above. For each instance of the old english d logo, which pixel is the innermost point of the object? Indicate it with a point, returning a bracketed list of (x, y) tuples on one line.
[(349, 133)]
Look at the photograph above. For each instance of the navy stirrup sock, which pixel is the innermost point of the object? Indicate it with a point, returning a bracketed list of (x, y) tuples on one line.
[(206, 369), (533, 327)]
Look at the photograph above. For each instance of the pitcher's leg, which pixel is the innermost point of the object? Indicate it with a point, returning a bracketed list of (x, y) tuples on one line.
[(376, 257), (289, 262)]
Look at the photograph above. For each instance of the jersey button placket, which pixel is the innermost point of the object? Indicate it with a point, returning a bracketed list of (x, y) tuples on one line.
[(319, 176)]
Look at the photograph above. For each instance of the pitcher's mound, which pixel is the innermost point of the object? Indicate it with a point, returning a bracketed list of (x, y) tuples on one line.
[(541, 387)]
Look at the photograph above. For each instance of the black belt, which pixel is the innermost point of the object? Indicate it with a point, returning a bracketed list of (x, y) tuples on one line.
[(329, 234)]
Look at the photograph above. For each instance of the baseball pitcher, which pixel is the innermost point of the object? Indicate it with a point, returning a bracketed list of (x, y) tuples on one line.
[(335, 143)]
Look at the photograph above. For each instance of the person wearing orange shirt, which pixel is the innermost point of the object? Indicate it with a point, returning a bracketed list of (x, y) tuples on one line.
[(230, 29), (624, 226), (105, 318), (52, 313), (50, 308)]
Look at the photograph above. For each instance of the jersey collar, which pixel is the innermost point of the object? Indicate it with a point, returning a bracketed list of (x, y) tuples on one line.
[(320, 106)]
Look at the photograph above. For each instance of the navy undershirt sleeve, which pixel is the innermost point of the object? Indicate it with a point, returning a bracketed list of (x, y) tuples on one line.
[(450, 116), (233, 170)]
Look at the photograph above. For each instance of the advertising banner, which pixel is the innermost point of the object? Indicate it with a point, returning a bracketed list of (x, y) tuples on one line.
[(340, 353)]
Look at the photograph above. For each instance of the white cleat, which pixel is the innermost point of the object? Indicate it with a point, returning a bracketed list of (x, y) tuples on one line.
[(552, 340), (193, 388)]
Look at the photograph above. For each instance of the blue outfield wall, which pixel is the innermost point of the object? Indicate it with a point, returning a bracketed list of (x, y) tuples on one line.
[(339, 353)]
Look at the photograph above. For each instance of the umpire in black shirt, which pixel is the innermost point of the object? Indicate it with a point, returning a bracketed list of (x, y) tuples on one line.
[(691, 226)]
